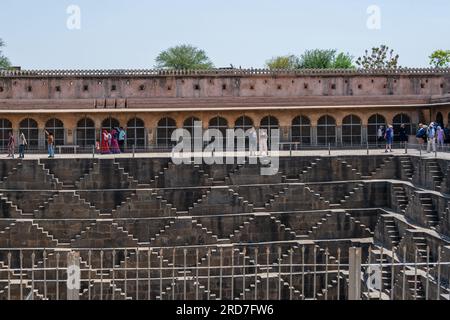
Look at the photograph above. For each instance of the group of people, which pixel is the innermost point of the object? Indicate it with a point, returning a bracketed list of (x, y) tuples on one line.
[(386, 135), (113, 142), (432, 134), (253, 139), (23, 143)]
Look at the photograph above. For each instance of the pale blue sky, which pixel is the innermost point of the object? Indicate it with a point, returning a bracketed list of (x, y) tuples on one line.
[(130, 33)]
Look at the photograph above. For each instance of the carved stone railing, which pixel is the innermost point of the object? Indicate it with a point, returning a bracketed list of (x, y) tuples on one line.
[(225, 72)]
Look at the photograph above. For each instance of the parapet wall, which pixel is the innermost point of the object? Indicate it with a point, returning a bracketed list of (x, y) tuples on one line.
[(129, 84)]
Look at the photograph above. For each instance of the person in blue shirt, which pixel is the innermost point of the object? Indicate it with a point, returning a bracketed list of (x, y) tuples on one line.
[(431, 135), (122, 138), (389, 137), (421, 134)]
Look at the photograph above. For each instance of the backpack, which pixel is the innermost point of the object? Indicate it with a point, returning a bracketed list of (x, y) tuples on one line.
[(421, 133)]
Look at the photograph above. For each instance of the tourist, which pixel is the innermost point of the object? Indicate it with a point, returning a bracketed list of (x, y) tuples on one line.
[(253, 139), (263, 142), (115, 141), (380, 135), (440, 137), (11, 145), (389, 137), (403, 135), (50, 144), (421, 134), (122, 138), (22, 144), (447, 134), (109, 139), (105, 142), (431, 136)]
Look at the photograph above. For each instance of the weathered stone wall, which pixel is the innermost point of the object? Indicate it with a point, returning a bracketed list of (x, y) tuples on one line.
[(213, 84), (224, 213)]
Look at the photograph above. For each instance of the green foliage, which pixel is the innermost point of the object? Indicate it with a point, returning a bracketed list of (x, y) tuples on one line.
[(440, 59), (4, 61), (325, 59), (343, 61), (183, 57), (289, 62), (317, 59), (380, 58)]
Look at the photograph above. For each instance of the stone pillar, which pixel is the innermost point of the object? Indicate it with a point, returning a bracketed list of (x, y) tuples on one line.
[(354, 277), (364, 133), (151, 136), (284, 134), (69, 139), (313, 135), (339, 135), (41, 138)]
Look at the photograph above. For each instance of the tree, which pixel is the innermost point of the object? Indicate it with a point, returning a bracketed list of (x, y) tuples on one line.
[(183, 57), (440, 59), (317, 59), (343, 61), (289, 62), (325, 59), (380, 58), (4, 61)]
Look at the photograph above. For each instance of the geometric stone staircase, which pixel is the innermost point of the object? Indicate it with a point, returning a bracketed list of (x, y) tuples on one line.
[(392, 230), (429, 211), (400, 197), (433, 168), (407, 167)]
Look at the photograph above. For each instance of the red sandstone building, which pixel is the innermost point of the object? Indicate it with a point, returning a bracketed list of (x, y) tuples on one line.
[(310, 106)]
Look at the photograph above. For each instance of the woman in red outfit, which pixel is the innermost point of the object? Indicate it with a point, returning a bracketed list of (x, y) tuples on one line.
[(105, 144)]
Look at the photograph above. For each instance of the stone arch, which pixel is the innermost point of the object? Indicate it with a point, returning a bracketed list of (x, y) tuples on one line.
[(398, 120), (244, 123), (56, 126), (5, 129), (85, 132), (166, 126), (326, 130), (190, 126), (136, 135), (110, 123), (351, 130), (374, 123), (30, 128), (301, 130), (270, 123), (220, 124), (440, 119)]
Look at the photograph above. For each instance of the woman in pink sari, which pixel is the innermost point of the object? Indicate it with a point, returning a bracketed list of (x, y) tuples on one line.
[(105, 144)]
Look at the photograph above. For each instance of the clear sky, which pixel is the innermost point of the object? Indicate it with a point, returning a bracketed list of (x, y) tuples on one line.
[(131, 33)]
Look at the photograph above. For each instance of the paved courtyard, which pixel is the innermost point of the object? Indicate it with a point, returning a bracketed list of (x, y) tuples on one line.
[(300, 153)]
